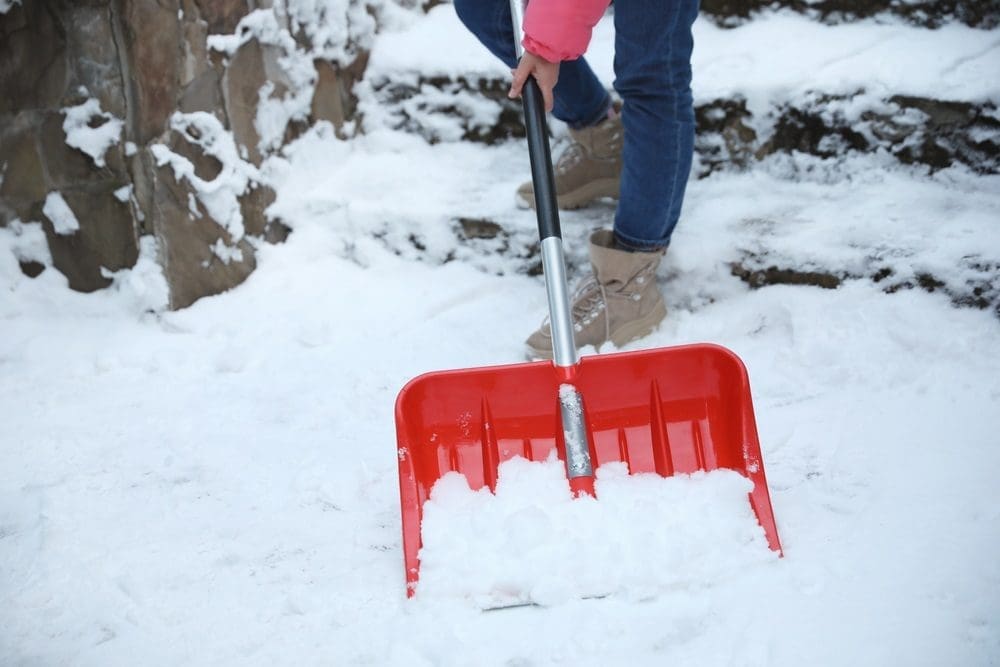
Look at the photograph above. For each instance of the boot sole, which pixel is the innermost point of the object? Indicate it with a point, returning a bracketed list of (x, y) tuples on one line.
[(625, 334), (582, 196)]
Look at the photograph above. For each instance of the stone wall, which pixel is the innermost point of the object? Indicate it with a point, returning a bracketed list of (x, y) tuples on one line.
[(927, 13), (104, 108), (128, 120)]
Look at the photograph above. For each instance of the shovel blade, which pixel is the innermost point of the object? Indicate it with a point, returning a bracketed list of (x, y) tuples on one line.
[(668, 411)]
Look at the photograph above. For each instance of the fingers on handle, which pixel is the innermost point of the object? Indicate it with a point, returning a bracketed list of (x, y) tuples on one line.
[(547, 96), (520, 76)]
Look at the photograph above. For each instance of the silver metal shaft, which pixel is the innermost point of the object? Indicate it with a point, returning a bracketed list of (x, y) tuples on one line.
[(517, 14), (564, 351), (560, 313)]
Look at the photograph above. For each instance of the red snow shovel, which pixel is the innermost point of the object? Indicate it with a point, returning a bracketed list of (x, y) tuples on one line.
[(667, 411)]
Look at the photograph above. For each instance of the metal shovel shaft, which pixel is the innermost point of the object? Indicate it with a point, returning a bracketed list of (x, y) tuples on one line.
[(564, 352), (579, 469)]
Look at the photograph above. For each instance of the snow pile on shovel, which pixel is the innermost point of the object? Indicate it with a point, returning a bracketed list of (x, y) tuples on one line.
[(533, 543)]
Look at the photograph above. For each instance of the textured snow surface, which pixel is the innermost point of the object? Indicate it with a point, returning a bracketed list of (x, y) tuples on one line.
[(63, 220), (218, 485), (774, 57), (91, 130), (533, 543)]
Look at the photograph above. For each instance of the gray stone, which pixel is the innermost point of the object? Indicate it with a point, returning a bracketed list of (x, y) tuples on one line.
[(191, 267), (106, 239), (24, 183), (206, 167), (222, 16), (724, 137), (204, 93), (153, 36), (253, 65), (33, 61), (143, 60), (194, 45), (66, 166), (927, 13), (328, 102), (333, 99), (253, 207), (93, 58)]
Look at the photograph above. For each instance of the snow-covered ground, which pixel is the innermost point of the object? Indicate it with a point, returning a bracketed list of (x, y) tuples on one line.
[(218, 485)]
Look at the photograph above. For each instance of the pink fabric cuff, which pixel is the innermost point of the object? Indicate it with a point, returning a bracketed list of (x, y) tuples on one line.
[(560, 30)]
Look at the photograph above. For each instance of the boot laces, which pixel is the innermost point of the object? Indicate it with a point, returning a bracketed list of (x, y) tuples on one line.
[(570, 157), (590, 300)]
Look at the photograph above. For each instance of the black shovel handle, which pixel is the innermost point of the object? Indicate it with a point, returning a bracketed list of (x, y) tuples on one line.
[(542, 174)]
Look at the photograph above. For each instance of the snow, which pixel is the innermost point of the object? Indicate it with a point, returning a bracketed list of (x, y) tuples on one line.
[(58, 212), (220, 194), (533, 543), (218, 485), (92, 137), (26, 242), (124, 193), (334, 30), (954, 62)]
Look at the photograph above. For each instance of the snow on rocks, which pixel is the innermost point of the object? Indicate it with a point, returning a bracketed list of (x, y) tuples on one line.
[(829, 110), (61, 216), (220, 195), (91, 130), (29, 251), (820, 89)]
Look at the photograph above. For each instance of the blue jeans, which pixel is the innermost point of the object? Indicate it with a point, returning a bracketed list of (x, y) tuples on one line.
[(653, 45)]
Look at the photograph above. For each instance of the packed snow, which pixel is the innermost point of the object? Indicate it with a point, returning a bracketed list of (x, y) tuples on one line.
[(59, 213), (91, 130), (218, 485), (533, 543)]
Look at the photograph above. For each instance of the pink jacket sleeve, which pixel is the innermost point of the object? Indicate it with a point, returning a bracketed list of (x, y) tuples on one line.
[(560, 30)]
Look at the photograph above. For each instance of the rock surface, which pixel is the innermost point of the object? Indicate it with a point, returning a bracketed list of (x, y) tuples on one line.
[(150, 67), (147, 64)]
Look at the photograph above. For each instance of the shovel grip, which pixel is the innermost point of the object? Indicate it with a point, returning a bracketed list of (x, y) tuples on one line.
[(542, 176)]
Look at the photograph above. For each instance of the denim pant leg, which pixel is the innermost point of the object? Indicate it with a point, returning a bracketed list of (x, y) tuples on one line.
[(580, 98), (653, 45)]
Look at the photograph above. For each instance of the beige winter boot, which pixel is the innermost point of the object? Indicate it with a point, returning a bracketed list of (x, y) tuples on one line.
[(620, 302), (590, 168)]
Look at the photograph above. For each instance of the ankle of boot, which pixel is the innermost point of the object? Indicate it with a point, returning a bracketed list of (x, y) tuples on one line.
[(604, 112), (629, 246)]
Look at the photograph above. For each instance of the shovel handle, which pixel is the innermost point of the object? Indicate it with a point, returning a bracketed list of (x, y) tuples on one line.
[(564, 352), (542, 176)]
